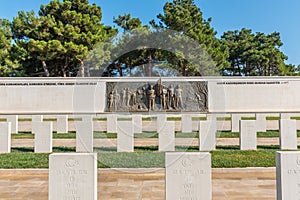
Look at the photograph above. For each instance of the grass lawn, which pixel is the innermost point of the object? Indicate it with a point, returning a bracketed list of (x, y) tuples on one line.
[(147, 134), (145, 157)]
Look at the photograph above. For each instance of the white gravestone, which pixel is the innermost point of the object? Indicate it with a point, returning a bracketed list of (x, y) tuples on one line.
[(161, 120), (261, 122), (288, 134), (112, 123), (35, 118), (125, 136), (288, 175), (248, 135), (13, 119), (62, 124), (188, 176), (84, 137), (235, 120), (186, 123), (5, 137), (166, 135), (207, 135), (42, 137), (137, 123), (73, 176), (87, 118), (285, 116)]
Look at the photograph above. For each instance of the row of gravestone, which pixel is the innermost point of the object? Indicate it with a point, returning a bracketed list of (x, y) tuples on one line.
[(187, 175), (166, 135), (187, 122)]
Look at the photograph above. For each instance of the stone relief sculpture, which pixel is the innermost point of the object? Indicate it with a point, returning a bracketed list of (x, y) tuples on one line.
[(167, 97)]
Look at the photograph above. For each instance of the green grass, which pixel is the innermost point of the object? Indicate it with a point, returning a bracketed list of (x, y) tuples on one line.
[(272, 118), (145, 157), (149, 134)]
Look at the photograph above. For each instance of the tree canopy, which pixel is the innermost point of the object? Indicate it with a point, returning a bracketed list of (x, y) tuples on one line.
[(59, 38), (254, 54), (67, 38)]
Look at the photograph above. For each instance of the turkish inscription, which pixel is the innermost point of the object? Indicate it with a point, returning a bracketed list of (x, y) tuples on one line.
[(156, 96)]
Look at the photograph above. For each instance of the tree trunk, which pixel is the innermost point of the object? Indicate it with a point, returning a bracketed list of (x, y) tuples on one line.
[(46, 71), (149, 69), (81, 69)]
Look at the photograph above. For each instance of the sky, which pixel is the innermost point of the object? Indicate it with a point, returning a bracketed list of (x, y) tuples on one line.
[(265, 16)]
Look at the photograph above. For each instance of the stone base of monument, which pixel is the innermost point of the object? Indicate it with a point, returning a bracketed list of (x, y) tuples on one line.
[(73, 176)]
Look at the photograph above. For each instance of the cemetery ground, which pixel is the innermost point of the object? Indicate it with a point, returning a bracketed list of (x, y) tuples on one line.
[(227, 156), (140, 174)]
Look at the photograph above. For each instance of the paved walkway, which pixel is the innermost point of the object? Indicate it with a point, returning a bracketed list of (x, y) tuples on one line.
[(146, 184), (144, 142)]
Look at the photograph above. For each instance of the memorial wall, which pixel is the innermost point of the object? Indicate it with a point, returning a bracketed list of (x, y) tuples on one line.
[(171, 95)]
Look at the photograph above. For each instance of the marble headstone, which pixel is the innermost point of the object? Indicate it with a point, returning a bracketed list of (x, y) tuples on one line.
[(167, 137), (288, 134), (125, 137), (207, 135), (161, 119), (248, 135), (188, 175), (137, 123), (261, 122), (288, 175), (62, 124), (112, 123), (13, 119), (5, 137), (84, 136), (186, 123), (73, 176), (42, 136)]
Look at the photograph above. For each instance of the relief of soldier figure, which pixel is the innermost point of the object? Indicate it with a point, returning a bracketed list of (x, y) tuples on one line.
[(156, 97)]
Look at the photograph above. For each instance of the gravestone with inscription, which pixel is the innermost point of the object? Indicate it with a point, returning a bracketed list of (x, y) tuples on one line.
[(288, 134), (84, 137), (112, 123), (186, 123), (73, 176), (188, 176), (62, 124), (207, 135), (5, 137), (125, 137), (288, 175), (13, 119), (166, 135), (248, 135), (42, 136)]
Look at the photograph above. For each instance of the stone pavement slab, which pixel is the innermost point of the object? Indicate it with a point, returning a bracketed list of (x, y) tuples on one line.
[(147, 184)]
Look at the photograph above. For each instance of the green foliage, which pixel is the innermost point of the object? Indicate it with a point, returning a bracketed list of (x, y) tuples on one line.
[(60, 37), (254, 54), (9, 66), (186, 18)]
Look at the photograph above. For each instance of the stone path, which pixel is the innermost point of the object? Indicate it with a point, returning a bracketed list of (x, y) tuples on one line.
[(145, 142), (146, 184)]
